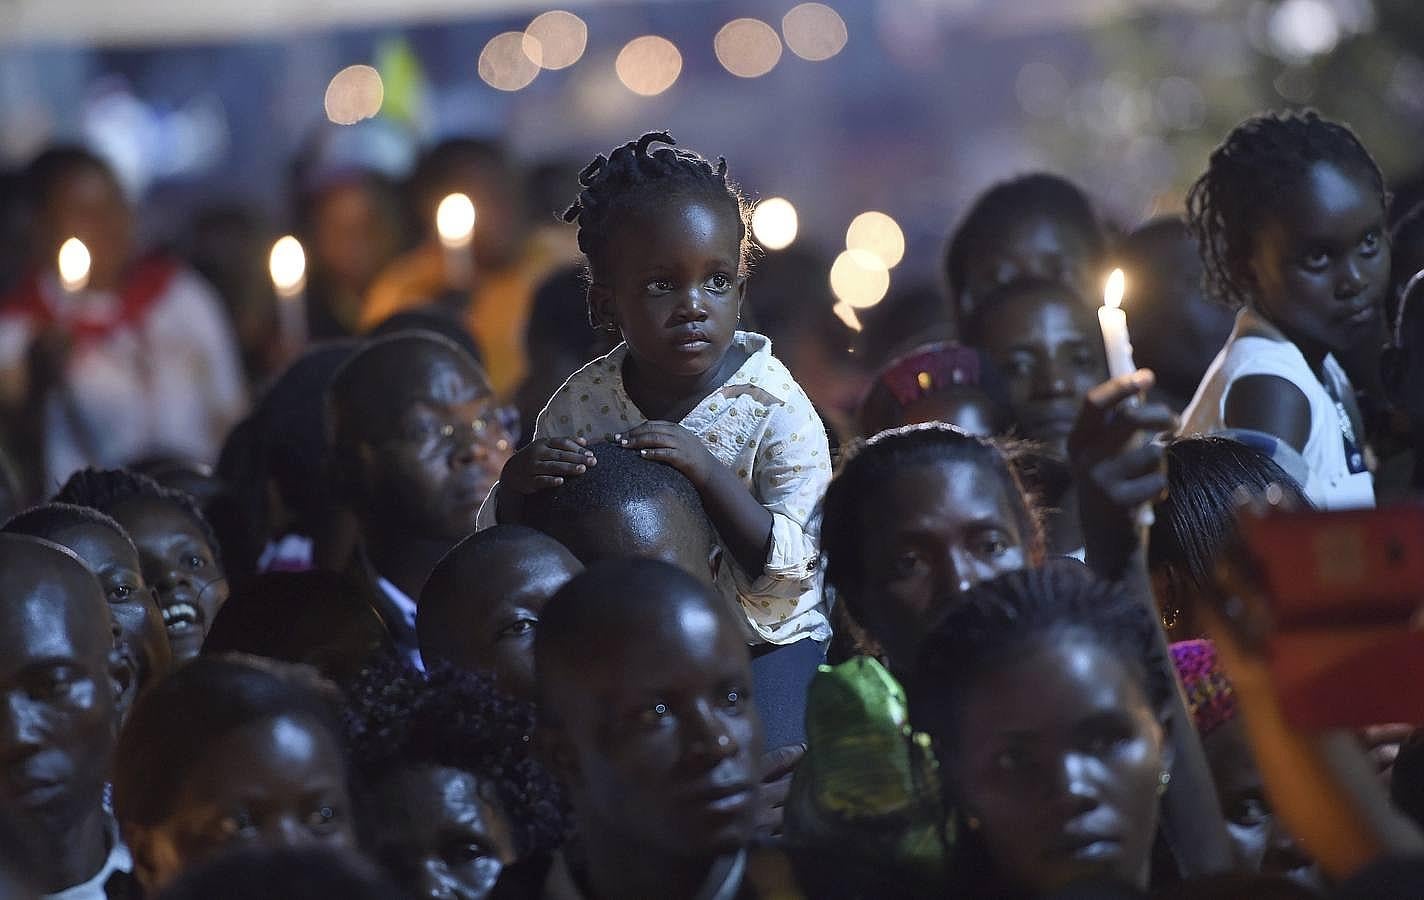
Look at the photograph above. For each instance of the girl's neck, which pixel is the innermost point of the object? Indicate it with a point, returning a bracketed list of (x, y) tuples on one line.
[(1313, 352), (671, 397)]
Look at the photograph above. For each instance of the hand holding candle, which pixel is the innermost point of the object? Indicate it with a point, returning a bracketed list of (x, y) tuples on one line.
[(455, 223)]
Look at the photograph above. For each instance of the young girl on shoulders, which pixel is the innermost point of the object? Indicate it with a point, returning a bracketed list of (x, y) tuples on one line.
[(665, 234), (1290, 222)]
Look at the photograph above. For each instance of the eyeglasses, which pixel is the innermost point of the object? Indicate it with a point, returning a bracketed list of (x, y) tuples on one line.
[(493, 430)]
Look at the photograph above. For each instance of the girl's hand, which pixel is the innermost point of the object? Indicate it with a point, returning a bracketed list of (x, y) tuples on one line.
[(1115, 473), (673, 445), (545, 463)]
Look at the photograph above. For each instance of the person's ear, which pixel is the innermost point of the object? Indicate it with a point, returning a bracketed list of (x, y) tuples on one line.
[(602, 313), (741, 292), (714, 562)]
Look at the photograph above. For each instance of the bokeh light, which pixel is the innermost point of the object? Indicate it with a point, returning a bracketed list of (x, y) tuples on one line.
[(814, 31), (455, 220), (354, 94), (1301, 29), (510, 61), (287, 265), (774, 223), (648, 65), (748, 48), (847, 315), (556, 39), (877, 234), (859, 279), (73, 263)]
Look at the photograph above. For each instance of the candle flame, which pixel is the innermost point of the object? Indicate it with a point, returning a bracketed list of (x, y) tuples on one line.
[(846, 313), (74, 263), (455, 220), (1116, 286), (288, 265)]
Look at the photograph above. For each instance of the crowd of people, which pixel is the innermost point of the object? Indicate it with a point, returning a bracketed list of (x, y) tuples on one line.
[(605, 561)]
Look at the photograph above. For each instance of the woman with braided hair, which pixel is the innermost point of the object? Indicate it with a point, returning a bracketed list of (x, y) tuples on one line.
[(1290, 222), (665, 234)]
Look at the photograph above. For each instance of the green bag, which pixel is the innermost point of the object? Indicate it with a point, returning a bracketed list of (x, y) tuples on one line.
[(868, 789)]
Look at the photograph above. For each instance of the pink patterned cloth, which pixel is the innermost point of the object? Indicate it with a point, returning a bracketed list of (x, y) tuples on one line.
[(1210, 696)]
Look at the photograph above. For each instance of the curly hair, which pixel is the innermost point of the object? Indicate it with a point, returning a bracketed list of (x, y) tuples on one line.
[(995, 620), (1008, 201), (396, 718), (107, 489), (633, 177), (867, 465), (49, 519), (1261, 161)]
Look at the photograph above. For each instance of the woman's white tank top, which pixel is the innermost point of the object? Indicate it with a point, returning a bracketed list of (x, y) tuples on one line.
[(1339, 477)]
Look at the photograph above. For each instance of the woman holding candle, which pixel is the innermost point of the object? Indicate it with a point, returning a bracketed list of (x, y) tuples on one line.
[(1290, 219), (126, 357)]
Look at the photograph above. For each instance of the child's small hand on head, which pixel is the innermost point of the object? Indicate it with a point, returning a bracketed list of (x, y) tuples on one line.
[(673, 445), (545, 463)]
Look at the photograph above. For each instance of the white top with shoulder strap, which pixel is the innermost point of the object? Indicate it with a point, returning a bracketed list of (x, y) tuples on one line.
[(1339, 477)]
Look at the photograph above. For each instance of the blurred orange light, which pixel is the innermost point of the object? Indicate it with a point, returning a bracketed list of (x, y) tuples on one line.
[(355, 93), (648, 65), (510, 61), (559, 38), (814, 31), (748, 48)]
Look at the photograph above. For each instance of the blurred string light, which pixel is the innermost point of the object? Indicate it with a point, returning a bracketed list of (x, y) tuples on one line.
[(355, 93), (648, 65), (510, 61), (73, 264), (556, 39), (748, 48), (879, 235), (774, 223), (859, 279), (814, 31)]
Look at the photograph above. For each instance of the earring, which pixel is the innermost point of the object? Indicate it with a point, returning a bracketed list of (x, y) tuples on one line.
[(1171, 616), (1163, 779), (972, 823)]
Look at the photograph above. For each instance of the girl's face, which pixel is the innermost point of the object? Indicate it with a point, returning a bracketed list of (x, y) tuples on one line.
[(440, 834), (1321, 263), (1050, 349), (180, 565), (1058, 755), (671, 281), (132, 603), (933, 531), (279, 782), (1037, 246)]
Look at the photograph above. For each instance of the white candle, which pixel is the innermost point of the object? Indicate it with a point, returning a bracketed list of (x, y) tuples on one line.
[(73, 265), (288, 267), (455, 224), (1113, 322)]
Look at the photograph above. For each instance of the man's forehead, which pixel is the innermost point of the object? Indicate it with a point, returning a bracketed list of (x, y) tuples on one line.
[(437, 376), (47, 623)]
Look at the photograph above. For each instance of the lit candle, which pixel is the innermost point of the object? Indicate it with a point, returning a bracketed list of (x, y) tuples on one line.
[(455, 223), (1113, 322), (288, 266), (73, 264)]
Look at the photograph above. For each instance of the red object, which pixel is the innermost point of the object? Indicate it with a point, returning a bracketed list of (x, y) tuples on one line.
[(145, 282)]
